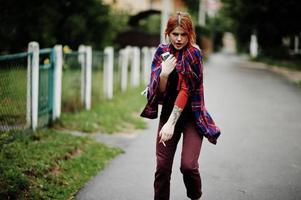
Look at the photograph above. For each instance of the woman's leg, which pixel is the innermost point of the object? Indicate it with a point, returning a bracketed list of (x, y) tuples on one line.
[(192, 143), (164, 157)]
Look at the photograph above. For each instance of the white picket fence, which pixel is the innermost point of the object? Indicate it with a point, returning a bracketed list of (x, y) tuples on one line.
[(133, 58)]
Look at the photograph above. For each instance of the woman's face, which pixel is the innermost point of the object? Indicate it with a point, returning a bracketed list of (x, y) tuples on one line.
[(178, 38)]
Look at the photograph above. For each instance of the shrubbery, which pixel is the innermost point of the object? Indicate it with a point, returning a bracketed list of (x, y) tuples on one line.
[(67, 22)]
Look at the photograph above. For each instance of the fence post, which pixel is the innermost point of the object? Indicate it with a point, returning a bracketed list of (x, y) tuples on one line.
[(296, 44), (253, 46), (81, 60), (135, 73), (28, 88), (146, 64), (57, 93), (152, 52), (124, 53), (32, 85), (88, 82), (108, 72)]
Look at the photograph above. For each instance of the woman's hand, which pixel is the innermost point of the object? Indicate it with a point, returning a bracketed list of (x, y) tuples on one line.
[(166, 132), (168, 65)]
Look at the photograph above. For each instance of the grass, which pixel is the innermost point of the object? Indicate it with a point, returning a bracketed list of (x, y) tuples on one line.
[(71, 88), (50, 164), (294, 64), (108, 116)]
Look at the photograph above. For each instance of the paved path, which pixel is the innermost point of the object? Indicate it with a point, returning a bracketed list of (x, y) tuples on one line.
[(258, 156)]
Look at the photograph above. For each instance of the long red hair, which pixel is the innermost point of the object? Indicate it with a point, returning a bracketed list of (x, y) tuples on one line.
[(184, 21)]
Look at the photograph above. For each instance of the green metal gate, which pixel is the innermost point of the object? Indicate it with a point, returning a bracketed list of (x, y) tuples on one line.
[(46, 76), (13, 94)]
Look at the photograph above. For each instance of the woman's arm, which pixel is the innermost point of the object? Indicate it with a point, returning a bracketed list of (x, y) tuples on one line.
[(163, 83), (168, 129)]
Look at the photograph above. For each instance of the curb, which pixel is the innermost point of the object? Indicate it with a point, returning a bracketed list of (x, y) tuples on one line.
[(291, 75)]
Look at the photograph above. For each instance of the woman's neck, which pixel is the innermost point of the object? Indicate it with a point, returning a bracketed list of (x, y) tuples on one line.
[(174, 50)]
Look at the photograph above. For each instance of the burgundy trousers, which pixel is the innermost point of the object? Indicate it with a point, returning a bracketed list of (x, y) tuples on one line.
[(192, 143)]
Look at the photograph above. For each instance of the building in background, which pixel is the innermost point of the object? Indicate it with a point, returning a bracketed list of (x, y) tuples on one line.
[(136, 6), (141, 11)]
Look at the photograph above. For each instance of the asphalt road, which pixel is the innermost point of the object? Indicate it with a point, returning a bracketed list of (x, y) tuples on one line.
[(258, 156)]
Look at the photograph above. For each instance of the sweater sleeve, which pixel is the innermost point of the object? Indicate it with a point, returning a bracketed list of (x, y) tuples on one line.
[(182, 97)]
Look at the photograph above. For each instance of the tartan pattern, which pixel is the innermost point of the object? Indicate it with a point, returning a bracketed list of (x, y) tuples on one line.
[(190, 65)]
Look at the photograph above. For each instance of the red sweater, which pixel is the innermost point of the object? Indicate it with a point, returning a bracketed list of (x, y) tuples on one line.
[(182, 97)]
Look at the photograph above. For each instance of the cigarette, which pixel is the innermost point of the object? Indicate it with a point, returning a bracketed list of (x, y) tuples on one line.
[(164, 143)]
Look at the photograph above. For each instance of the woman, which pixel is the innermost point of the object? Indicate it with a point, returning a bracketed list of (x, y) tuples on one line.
[(177, 83)]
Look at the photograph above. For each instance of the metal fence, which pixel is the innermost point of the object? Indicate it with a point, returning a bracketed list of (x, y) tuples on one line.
[(97, 77), (13, 93), (46, 80), (37, 85), (117, 72), (100, 79), (27, 96), (71, 82)]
